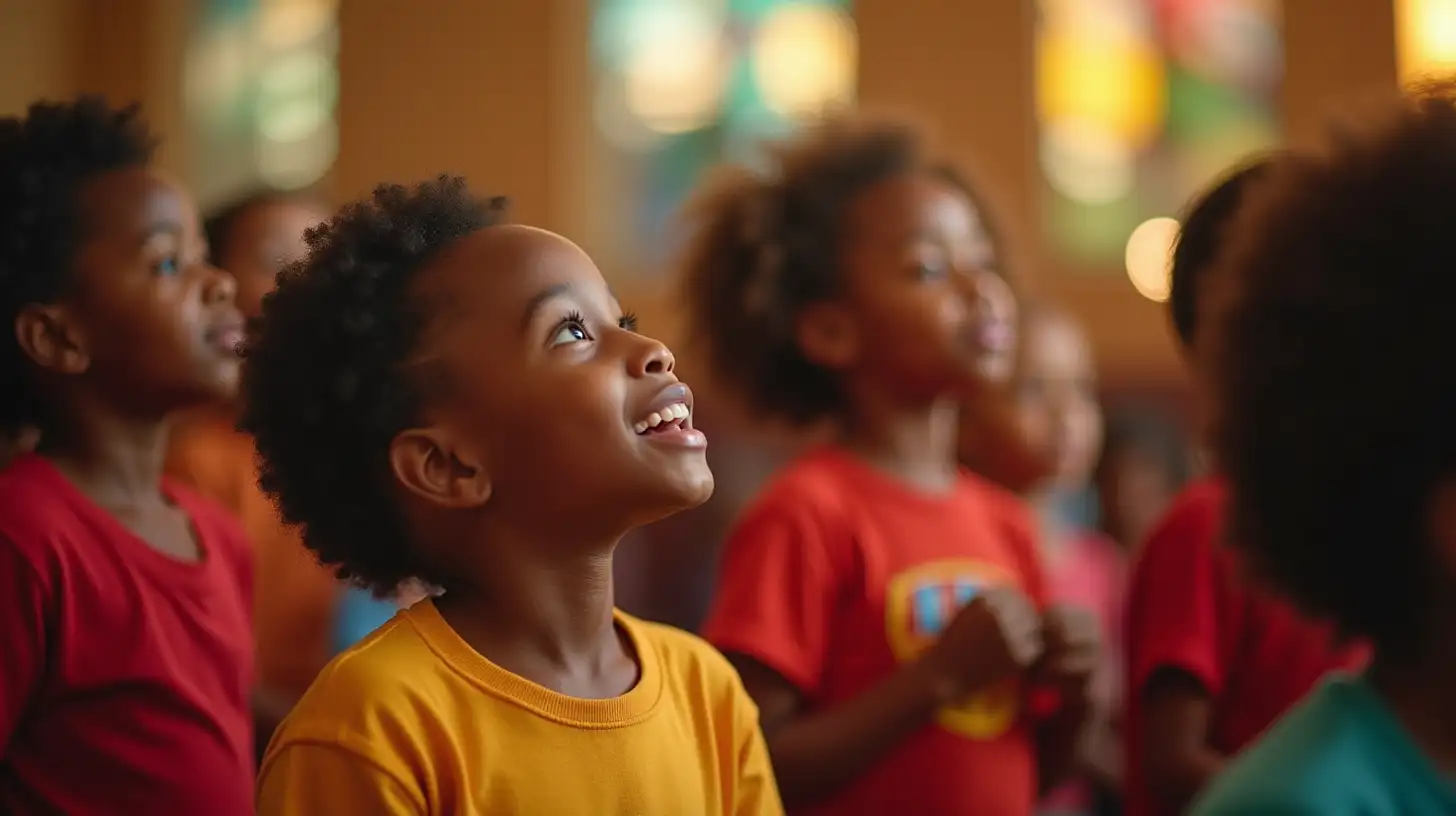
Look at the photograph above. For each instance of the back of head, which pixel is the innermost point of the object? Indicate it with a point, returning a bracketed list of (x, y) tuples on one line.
[(47, 158), (765, 246), (325, 380), (1201, 236), (1337, 394)]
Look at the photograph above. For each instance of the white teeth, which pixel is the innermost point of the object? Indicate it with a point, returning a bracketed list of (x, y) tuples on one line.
[(672, 412)]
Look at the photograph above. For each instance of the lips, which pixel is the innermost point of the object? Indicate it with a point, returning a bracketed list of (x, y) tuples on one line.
[(227, 335), (668, 419)]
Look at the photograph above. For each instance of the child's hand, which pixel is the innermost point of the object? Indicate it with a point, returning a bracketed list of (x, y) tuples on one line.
[(996, 636), (1073, 649)]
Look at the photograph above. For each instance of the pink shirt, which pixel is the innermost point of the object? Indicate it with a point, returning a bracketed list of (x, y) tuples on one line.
[(1089, 571)]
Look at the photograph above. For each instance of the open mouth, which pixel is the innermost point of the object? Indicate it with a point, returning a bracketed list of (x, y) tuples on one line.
[(671, 417)]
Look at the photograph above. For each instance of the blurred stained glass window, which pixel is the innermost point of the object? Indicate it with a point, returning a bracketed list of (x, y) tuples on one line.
[(683, 84), (261, 91), (1140, 103)]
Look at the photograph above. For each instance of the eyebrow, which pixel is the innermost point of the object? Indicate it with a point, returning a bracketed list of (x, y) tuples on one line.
[(549, 294), (540, 299), (161, 227)]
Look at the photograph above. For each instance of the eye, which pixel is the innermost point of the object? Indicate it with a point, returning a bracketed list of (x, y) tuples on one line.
[(167, 267), (628, 321), (931, 270), (570, 330)]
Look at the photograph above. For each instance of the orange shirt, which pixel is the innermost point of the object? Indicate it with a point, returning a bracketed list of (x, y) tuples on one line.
[(294, 597), (837, 575)]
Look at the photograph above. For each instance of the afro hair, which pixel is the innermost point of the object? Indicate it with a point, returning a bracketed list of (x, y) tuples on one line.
[(1331, 362), (325, 380)]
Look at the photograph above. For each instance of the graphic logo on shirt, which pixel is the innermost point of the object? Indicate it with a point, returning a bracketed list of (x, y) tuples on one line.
[(919, 603)]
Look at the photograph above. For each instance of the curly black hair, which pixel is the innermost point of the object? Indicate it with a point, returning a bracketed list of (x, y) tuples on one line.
[(220, 224), (1332, 360), (765, 245), (324, 380), (1200, 238), (46, 157)]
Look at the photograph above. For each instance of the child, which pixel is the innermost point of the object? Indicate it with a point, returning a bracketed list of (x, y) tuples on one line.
[(1212, 661), (295, 601), (880, 603), (125, 649), (1340, 454), (438, 395), (1055, 390)]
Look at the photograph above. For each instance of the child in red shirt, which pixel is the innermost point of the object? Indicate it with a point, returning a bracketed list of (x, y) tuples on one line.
[(1212, 659), (882, 605), (125, 648)]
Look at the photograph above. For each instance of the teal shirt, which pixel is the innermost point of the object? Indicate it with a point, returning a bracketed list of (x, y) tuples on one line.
[(1340, 752)]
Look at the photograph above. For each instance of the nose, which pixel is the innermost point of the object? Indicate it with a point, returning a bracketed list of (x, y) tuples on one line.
[(219, 286), (650, 357)]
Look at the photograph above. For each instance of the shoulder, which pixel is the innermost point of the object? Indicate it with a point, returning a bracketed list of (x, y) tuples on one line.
[(43, 520), (1195, 516), (369, 696), (1314, 760), (695, 671), (683, 654), (817, 482)]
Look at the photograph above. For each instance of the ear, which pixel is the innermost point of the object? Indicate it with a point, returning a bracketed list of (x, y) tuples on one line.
[(828, 336), (51, 339), (432, 464)]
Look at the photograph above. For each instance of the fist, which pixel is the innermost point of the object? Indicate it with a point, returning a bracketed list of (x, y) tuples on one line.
[(996, 636)]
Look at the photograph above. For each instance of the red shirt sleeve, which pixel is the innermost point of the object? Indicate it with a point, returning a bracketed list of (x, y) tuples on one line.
[(24, 598), (778, 586), (1172, 617)]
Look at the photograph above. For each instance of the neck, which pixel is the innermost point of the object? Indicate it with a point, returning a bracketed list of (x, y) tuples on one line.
[(531, 610), (1418, 689), (116, 460), (916, 443)]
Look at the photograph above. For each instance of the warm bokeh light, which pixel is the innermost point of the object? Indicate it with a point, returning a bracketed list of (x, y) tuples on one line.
[(1109, 75), (1149, 257), (1086, 163), (1425, 32), (804, 59), (676, 74), (285, 24)]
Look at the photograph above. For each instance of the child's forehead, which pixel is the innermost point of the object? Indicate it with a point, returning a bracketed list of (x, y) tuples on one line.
[(136, 202), (507, 269)]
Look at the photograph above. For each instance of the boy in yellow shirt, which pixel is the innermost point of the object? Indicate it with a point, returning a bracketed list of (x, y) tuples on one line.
[(438, 395)]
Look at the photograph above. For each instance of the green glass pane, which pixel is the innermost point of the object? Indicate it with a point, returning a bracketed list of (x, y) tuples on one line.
[(1094, 235)]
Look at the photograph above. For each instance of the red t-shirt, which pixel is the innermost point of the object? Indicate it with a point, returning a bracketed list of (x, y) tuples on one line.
[(125, 674), (1189, 608), (837, 575)]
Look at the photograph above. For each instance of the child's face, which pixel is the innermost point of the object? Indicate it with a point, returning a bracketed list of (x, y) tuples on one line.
[(148, 325), (928, 315), (262, 241), (536, 384), (1056, 395)]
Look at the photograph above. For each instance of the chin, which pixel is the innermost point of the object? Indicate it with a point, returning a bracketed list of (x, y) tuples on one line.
[(682, 488)]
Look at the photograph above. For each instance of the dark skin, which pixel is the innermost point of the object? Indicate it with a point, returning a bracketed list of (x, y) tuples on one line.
[(260, 242), (527, 467), (911, 330), (150, 330)]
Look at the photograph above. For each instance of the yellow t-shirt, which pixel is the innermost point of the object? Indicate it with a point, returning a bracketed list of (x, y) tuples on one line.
[(414, 721)]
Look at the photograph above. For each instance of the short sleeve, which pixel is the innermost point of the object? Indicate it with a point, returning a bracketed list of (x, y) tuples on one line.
[(1172, 615), (778, 587), (24, 599), (756, 793), (308, 778)]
